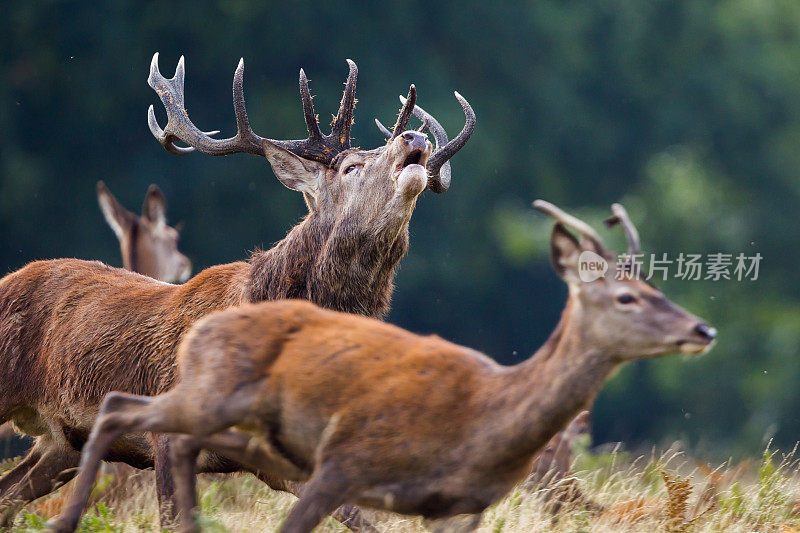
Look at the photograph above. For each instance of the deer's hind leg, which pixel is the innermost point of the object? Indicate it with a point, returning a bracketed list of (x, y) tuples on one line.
[(120, 413), (238, 446), (34, 477), (264, 461), (18, 472), (177, 411)]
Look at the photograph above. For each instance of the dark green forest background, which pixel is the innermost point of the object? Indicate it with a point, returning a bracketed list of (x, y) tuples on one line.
[(687, 111)]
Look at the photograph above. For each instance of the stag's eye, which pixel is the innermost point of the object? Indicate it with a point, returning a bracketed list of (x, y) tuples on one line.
[(626, 298), (350, 169)]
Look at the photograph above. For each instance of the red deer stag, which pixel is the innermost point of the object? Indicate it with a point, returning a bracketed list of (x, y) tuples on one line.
[(148, 244), (71, 331), (369, 413)]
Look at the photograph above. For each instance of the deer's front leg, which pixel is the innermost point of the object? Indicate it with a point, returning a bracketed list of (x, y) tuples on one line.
[(320, 496), (165, 485), (184, 453), (348, 515)]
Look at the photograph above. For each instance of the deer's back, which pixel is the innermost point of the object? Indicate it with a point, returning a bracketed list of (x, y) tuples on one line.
[(378, 381), (72, 331)]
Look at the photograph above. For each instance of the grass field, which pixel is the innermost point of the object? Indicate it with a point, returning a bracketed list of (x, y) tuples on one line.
[(666, 492)]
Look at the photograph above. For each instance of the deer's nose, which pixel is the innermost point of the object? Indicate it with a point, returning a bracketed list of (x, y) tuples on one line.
[(416, 139), (705, 331)]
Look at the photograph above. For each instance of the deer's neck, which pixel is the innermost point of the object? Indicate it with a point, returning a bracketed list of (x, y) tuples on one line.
[(540, 396), (327, 262), (130, 252)]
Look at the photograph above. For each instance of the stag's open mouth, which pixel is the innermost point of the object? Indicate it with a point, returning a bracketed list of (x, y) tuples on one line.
[(409, 172), (414, 157)]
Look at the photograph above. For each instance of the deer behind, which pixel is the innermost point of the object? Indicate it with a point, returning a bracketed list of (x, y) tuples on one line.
[(148, 244), (71, 331), (369, 413)]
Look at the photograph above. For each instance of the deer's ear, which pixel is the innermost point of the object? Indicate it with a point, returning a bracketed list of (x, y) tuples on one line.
[(154, 208), (294, 172), (119, 218), (564, 252)]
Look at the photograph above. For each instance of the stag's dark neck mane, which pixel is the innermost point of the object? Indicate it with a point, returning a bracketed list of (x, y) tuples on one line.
[(333, 263)]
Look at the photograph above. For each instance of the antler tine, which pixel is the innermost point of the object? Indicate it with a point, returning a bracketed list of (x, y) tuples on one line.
[(156, 77), (180, 127), (430, 123), (250, 142), (405, 112), (568, 220), (444, 154), (425, 127), (312, 123), (631, 233), (402, 119), (319, 147), (438, 165), (384, 130), (340, 128)]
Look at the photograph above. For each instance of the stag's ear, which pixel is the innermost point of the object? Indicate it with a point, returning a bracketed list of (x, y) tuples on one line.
[(119, 218), (154, 208), (294, 172), (564, 252)]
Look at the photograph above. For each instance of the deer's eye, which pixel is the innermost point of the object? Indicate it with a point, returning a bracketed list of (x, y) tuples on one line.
[(350, 169), (626, 298)]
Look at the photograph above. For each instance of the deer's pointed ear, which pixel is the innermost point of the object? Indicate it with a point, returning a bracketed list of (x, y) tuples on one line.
[(119, 218), (564, 252), (154, 208), (294, 172)]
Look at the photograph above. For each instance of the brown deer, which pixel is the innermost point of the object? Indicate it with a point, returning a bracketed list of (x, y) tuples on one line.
[(552, 466), (369, 413), (71, 331), (148, 244)]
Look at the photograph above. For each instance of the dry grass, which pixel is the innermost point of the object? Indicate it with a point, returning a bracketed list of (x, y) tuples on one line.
[(668, 492)]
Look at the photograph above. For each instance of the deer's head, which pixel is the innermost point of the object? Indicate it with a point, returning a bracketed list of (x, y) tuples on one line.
[(333, 177), (149, 245), (619, 314)]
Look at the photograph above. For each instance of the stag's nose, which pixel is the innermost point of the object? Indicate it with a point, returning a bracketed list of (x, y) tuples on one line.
[(705, 331), (415, 139)]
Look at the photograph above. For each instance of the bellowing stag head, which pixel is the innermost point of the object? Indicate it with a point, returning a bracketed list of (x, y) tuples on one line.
[(334, 177)]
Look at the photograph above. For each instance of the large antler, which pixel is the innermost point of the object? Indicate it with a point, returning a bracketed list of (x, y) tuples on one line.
[(438, 165), (317, 147), (570, 221)]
